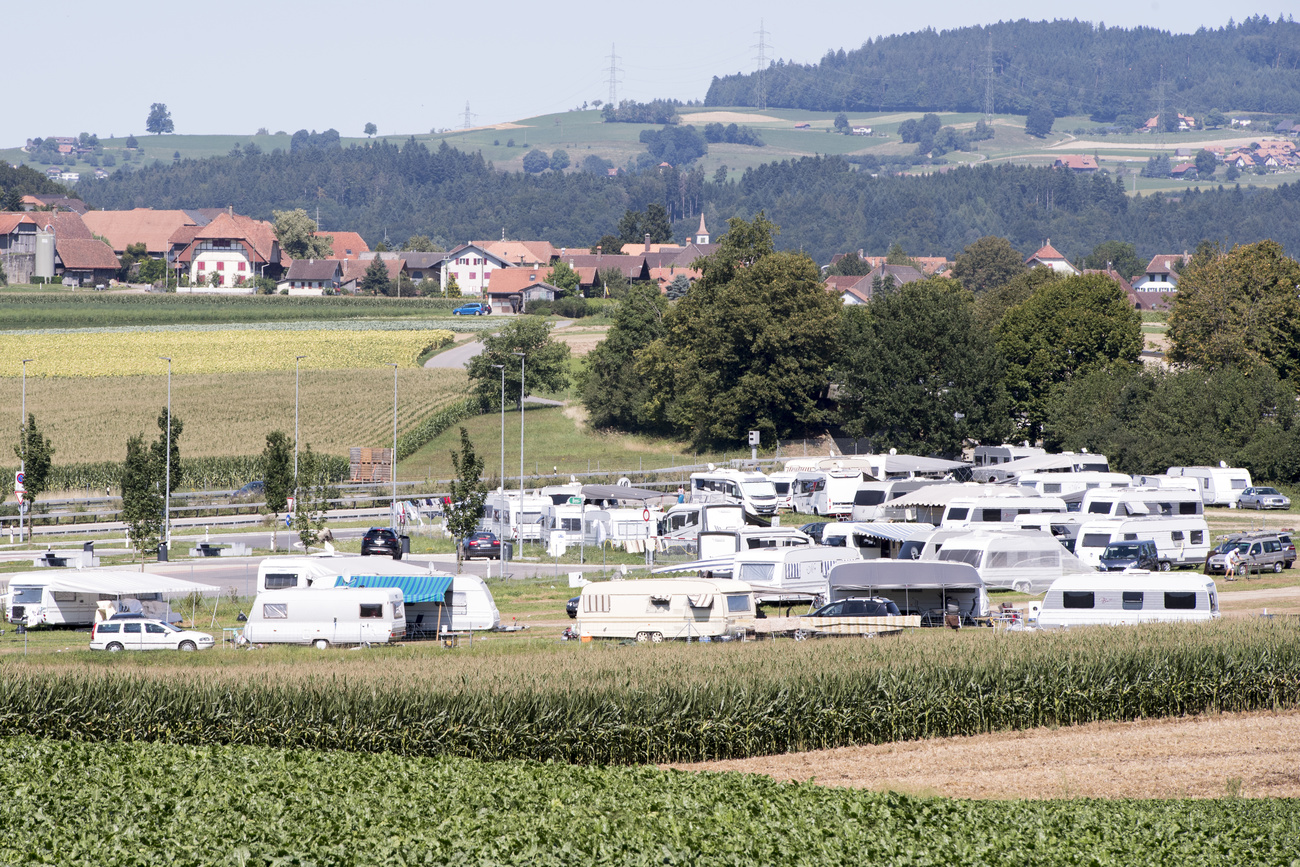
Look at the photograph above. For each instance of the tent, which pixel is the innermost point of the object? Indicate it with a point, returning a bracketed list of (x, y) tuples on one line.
[(918, 586)]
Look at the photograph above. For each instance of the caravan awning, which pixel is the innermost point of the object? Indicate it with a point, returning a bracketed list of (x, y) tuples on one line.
[(918, 464), (904, 575), (415, 588), (714, 564), (899, 532), (120, 583), (618, 492)]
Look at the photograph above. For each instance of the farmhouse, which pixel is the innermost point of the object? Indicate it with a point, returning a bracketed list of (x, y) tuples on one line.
[(229, 252)]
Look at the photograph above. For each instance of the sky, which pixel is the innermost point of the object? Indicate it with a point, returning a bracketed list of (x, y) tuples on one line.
[(410, 67)]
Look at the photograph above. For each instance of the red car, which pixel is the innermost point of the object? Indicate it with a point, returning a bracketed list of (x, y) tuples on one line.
[(481, 544)]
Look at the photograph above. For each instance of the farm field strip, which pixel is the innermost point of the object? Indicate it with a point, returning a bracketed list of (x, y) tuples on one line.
[(254, 807), (462, 325)]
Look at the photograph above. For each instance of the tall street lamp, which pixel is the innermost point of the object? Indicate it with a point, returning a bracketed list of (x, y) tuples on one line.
[(501, 367), (296, 361), (167, 490), (392, 512), (521, 431), (22, 460)]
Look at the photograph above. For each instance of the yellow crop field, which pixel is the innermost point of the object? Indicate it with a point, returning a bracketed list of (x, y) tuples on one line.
[(88, 419), (209, 351)]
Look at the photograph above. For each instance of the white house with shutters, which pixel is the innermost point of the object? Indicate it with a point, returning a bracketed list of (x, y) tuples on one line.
[(472, 266)]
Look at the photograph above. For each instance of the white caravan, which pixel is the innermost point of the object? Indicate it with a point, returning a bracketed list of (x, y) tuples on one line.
[(1220, 486), (927, 588), (789, 574), (872, 540), (870, 497), (1139, 502), (719, 543), (1180, 541), (509, 517), (929, 504), (1061, 484), (653, 609), (753, 490), (1027, 562), (686, 521), (783, 482), (1065, 462), (1120, 598), (991, 456), (983, 511), (75, 597), (472, 605), (287, 573), (326, 617)]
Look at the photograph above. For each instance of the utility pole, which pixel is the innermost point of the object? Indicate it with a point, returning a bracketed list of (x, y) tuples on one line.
[(762, 65), (614, 70)]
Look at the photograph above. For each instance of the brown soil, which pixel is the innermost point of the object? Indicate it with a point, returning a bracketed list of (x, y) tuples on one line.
[(1251, 755), (582, 342)]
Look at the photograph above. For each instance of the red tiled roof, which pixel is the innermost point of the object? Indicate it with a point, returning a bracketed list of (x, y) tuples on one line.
[(1163, 263), (141, 225), (85, 254), (1077, 162), (514, 252), (506, 280), (346, 245), (11, 221), (259, 234), (1046, 253)]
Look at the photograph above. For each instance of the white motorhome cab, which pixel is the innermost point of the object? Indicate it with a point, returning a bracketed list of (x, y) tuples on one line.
[(870, 497), (1220, 486), (1061, 484), (1181, 541), (1121, 598), (686, 520), (784, 484), (325, 617), (1027, 562), (1140, 502), (654, 609), (826, 492), (752, 490), (975, 512), (789, 574)]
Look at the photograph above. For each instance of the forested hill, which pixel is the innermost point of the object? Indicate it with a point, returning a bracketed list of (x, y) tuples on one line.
[(1071, 67), (822, 205)]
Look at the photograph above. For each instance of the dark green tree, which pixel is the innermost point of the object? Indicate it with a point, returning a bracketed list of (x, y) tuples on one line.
[(35, 453), (850, 265), (546, 363), (610, 245), (277, 476), (370, 129), (313, 499), (536, 161), (842, 124), (1206, 163), (611, 390), (1120, 255), (421, 244), (375, 280), (296, 232), (610, 283), (1038, 122), (159, 451), (1067, 328), (564, 278), (467, 493), (559, 160), (142, 501), (917, 373), (678, 287), (987, 263), (159, 120), (992, 304)]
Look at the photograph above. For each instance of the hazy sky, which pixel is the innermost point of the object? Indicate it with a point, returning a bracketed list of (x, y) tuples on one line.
[(237, 65)]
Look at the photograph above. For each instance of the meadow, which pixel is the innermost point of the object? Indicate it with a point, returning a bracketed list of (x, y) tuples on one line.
[(253, 807)]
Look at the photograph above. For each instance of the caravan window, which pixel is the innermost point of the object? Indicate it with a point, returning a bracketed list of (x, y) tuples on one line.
[(762, 573), (571, 525), (990, 514), (1187, 509), (275, 611), (595, 602), (1099, 508), (1176, 535), (1096, 540), (737, 603), (1180, 601), (27, 595), (1238, 484), (371, 611), (1077, 599), (958, 514), (1133, 600), (459, 603), (969, 556), (868, 498), (281, 580), (1051, 487), (1198, 537)]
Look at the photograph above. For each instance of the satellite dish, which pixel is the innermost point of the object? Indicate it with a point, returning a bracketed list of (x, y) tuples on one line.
[(1223, 464), (712, 468), (893, 451), (1083, 450)]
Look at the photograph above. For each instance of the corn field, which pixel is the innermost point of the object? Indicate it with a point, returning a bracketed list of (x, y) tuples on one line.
[(611, 705)]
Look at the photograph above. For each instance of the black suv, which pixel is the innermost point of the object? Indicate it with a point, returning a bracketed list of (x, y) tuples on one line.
[(381, 540), (1135, 554), (481, 544)]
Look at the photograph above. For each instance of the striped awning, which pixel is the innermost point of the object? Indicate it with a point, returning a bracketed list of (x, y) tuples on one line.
[(415, 588), (899, 532)]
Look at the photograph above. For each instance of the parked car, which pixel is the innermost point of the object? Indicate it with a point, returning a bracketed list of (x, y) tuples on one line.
[(571, 607), (249, 493), (476, 308), (139, 633), (872, 606), (1263, 498), (381, 540), (481, 544), (1258, 552), (1138, 554), (815, 530)]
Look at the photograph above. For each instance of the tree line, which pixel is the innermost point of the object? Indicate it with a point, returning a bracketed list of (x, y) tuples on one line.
[(1068, 67)]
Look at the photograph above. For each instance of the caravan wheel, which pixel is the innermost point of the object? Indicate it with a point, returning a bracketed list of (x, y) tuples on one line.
[(320, 644), (656, 637), (643, 637)]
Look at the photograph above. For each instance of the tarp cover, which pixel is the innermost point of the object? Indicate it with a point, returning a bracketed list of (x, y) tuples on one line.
[(618, 492), (900, 574), (942, 495), (415, 588), (918, 464), (117, 583), (714, 564)]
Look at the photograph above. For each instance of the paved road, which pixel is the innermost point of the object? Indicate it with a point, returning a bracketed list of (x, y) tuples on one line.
[(458, 356)]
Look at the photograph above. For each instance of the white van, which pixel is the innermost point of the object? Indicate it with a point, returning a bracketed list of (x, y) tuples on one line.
[(752, 490), (789, 574), (1220, 486), (871, 496), (1119, 598), (325, 617), (653, 609), (1181, 541), (1027, 562), (783, 483), (980, 511)]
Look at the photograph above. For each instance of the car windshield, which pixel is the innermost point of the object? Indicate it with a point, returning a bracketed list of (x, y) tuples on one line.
[(1115, 552), (758, 489), (1266, 492)]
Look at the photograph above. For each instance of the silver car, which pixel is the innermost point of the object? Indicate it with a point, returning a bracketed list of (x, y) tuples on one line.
[(1263, 498)]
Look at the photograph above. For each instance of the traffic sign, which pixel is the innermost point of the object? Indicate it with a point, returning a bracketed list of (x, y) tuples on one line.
[(645, 514), (19, 478), (575, 501)]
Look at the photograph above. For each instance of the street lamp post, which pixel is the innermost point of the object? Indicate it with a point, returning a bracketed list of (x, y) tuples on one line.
[(501, 367), (296, 361), (22, 460), (167, 482), (392, 512), (521, 448)]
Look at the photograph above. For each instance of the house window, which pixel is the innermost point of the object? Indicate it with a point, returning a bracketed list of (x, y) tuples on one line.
[(202, 265), (241, 266), (221, 266), (473, 274)]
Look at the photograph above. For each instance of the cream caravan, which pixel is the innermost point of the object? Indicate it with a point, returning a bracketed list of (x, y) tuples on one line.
[(654, 609)]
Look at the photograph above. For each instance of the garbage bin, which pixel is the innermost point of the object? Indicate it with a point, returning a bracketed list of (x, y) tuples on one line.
[(162, 552), (406, 545), (507, 551)]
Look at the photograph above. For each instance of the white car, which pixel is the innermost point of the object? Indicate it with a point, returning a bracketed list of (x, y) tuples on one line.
[(138, 633)]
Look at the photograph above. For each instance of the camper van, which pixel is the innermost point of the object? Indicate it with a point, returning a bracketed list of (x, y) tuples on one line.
[(789, 574), (719, 543), (76, 597), (326, 617), (826, 492), (783, 482), (975, 512), (870, 497), (1139, 502), (1027, 562), (686, 520), (1064, 528), (1119, 598), (752, 490), (1220, 486), (1181, 541), (504, 515), (654, 609)]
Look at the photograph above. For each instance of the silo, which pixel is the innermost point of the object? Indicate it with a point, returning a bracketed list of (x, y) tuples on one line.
[(44, 253)]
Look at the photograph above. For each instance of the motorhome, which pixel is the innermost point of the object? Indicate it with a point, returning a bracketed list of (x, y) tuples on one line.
[(717, 543), (873, 540), (509, 516), (326, 617), (926, 588), (1220, 486), (991, 456), (1064, 484), (654, 609), (789, 574), (1138, 502), (980, 511), (1181, 541), (1027, 562), (826, 492), (1064, 528), (870, 497), (685, 521), (753, 490), (1121, 598), (74, 597), (783, 481), (1065, 462)]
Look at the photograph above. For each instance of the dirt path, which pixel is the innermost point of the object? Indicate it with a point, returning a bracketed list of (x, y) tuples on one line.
[(1251, 755)]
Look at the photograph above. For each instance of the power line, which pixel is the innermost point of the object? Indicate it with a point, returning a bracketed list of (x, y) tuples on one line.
[(762, 65), (614, 70), (469, 116)]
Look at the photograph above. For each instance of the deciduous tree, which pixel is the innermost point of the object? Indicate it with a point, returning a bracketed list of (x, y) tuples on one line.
[(1039, 122), (611, 389), (467, 493), (34, 451), (370, 129), (159, 120), (546, 366), (536, 161), (313, 499), (277, 475), (142, 500), (987, 263), (1120, 255), (562, 277), (296, 232)]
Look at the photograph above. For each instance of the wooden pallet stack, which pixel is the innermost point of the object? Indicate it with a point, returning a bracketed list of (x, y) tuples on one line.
[(370, 465)]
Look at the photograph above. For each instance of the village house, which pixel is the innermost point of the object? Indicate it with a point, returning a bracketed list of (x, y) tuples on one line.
[(512, 288), (312, 277), (227, 253), (1049, 257), (472, 267)]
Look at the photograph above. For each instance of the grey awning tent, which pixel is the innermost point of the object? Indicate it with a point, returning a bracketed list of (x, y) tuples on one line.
[(867, 575), (618, 492), (896, 532), (918, 464), (715, 565), (110, 583)]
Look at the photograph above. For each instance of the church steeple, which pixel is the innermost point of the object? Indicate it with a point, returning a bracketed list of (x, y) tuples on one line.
[(701, 235)]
